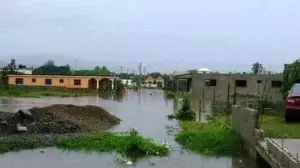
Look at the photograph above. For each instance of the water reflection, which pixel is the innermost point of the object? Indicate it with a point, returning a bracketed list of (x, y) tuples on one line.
[(145, 110), (111, 96)]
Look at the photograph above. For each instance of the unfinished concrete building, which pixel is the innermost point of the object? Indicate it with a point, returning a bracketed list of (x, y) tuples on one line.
[(205, 87)]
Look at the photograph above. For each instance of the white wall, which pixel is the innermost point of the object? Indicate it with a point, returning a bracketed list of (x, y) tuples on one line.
[(127, 82)]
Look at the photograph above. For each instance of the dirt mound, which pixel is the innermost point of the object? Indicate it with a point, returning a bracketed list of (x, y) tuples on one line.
[(57, 119)]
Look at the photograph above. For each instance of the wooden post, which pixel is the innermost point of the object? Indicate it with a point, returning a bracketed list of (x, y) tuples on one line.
[(203, 97), (199, 112), (234, 95), (213, 102), (228, 96)]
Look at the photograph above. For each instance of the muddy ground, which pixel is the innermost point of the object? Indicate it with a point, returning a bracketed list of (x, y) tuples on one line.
[(57, 119)]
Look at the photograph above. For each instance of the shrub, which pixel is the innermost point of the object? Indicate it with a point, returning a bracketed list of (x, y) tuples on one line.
[(212, 138), (185, 112), (132, 145)]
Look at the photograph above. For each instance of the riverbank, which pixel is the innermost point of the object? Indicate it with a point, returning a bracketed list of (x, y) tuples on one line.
[(130, 145), (216, 138), (213, 138), (44, 92), (70, 127), (173, 95)]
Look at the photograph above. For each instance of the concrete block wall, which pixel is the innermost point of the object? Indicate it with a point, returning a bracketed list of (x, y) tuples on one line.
[(282, 155), (244, 122)]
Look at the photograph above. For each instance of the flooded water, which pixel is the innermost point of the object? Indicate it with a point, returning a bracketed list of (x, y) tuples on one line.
[(145, 111)]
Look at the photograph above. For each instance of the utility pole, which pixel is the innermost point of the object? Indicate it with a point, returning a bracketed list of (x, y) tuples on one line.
[(140, 74), (75, 65)]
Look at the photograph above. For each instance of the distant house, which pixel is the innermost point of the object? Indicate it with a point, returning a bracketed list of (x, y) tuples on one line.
[(26, 71), (127, 82), (69, 82), (152, 82)]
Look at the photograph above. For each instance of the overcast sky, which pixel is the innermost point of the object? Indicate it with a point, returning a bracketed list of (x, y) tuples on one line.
[(223, 35)]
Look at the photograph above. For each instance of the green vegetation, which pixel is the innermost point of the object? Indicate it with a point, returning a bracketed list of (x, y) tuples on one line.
[(212, 138), (131, 145), (41, 92), (172, 95), (49, 68), (11, 68), (97, 71), (185, 112), (274, 125), (291, 74), (257, 68)]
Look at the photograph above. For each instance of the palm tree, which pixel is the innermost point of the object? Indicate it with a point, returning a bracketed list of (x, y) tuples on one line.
[(257, 68)]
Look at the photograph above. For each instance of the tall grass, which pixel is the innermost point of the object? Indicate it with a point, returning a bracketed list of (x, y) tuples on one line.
[(212, 138)]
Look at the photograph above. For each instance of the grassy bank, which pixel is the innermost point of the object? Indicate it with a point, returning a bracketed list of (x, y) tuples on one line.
[(274, 125), (131, 145), (172, 95), (212, 138), (42, 92)]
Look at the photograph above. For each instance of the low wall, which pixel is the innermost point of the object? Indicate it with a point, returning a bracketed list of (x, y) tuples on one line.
[(244, 121), (282, 155)]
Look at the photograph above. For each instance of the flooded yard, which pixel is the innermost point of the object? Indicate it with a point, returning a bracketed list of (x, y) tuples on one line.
[(145, 111)]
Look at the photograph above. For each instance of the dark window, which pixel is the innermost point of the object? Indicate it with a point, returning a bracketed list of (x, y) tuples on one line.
[(277, 84), (211, 82), (33, 80), (61, 80), (241, 83), (154, 82), (77, 82), (259, 81), (19, 81), (48, 81)]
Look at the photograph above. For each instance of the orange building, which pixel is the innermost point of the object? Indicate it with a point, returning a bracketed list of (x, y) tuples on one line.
[(72, 82), (153, 83)]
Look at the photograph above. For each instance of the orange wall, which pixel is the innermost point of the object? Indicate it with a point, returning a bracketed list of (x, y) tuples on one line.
[(40, 81)]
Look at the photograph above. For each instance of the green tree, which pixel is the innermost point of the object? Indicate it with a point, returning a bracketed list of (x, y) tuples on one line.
[(97, 71), (49, 68), (257, 68), (193, 71), (9, 69)]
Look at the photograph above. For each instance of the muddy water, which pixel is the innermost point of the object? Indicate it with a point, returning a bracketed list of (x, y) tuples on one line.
[(145, 111)]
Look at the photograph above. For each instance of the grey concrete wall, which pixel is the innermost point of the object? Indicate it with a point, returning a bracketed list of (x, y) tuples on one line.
[(200, 92), (282, 155), (221, 89), (244, 121)]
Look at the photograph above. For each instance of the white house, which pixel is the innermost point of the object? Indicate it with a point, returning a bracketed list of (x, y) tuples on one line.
[(26, 71), (23, 71), (127, 82)]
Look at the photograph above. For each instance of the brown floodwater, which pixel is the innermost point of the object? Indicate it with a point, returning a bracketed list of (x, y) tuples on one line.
[(145, 111)]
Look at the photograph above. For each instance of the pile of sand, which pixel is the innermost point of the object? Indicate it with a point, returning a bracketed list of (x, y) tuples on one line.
[(58, 119)]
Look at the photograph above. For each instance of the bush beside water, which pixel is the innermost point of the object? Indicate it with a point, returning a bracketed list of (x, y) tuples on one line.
[(132, 145), (212, 138), (185, 112)]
